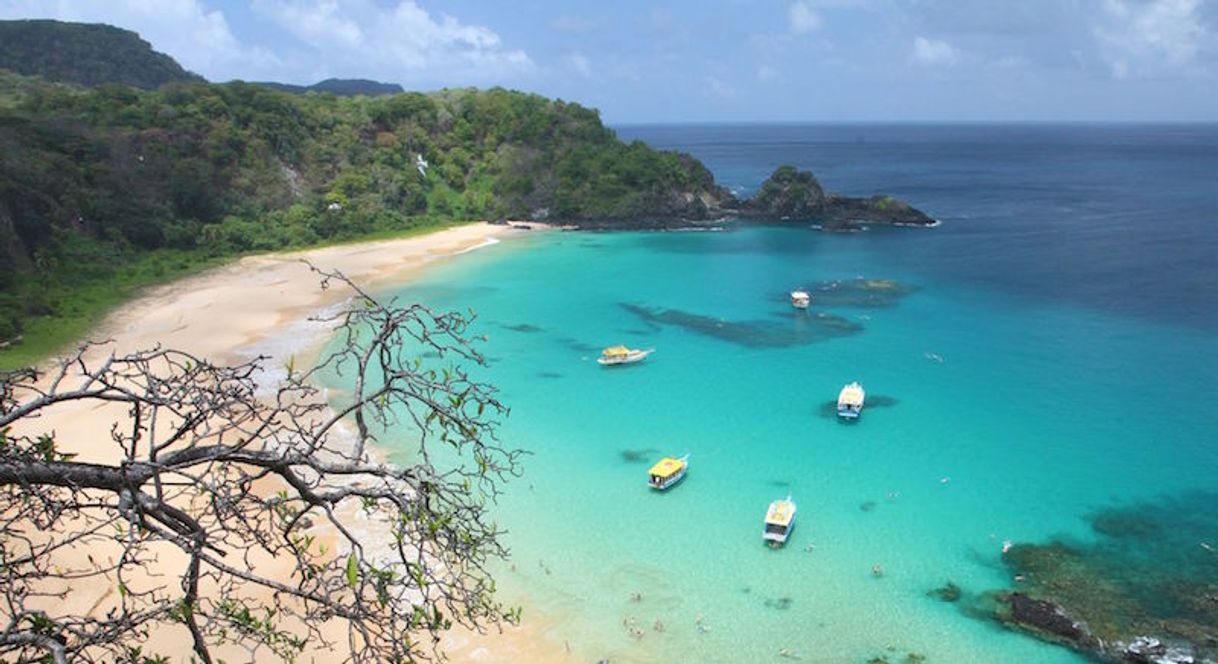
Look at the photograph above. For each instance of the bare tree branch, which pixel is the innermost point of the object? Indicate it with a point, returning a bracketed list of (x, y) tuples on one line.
[(255, 516)]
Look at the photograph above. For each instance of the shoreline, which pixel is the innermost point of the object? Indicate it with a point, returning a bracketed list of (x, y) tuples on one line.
[(262, 298), (261, 305)]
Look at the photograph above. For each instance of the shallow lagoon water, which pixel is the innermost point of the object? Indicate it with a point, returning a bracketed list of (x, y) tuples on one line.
[(1014, 413)]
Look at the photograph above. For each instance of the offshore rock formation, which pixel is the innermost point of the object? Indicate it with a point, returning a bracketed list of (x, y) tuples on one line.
[(1146, 590), (793, 194)]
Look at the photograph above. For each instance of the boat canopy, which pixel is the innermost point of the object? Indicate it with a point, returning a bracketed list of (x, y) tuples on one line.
[(800, 295), (667, 467), (780, 513), (851, 395), (616, 351)]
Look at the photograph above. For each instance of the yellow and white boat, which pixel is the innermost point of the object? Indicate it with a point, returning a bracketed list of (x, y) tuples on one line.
[(667, 472), (779, 520), (800, 299), (850, 401), (614, 355)]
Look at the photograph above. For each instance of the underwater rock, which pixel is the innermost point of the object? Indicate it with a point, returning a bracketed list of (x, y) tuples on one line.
[(862, 293), (548, 374), (1047, 620), (948, 592), (580, 346), (523, 327), (1149, 650), (639, 456), (778, 333), (781, 603), (1149, 576)]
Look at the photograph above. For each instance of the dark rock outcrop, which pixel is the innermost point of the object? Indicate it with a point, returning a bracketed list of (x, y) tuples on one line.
[(793, 194), (1047, 620), (789, 193)]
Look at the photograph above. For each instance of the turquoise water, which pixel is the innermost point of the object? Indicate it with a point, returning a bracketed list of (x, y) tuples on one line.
[(1071, 296), (1037, 414)]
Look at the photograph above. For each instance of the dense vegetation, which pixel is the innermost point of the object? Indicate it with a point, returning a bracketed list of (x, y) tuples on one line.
[(117, 183), (87, 54)]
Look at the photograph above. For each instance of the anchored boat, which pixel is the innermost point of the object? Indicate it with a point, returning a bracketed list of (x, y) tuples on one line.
[(850, 401), (779, 520), (667, 472), (622, 355), (800, 299)]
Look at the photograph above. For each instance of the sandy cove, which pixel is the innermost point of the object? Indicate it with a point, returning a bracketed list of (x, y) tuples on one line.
[(261, 305)]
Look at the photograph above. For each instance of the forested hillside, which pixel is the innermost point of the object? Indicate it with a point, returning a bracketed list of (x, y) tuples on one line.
[(97, 182), (87, 54)]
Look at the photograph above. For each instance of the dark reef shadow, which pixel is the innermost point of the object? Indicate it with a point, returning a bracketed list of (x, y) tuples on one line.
[(527, 328), (778, 333), (642, 455), (857, 293)]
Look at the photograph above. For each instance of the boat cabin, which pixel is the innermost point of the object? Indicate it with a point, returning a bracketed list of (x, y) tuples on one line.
[(667, 472)]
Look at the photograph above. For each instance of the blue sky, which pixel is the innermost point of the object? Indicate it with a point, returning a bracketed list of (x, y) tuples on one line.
[(717, 60)]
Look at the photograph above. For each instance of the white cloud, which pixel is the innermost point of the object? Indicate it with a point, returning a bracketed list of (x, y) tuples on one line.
[(714, 86), (933, 52), (196, 37), (402, 42), (579, 63), (1148, 38), (801, 18)]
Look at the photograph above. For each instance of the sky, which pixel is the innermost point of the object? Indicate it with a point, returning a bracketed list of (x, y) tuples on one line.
[(717, 60)]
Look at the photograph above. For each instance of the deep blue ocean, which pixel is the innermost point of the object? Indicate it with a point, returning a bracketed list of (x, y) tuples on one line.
[(1048, 352)]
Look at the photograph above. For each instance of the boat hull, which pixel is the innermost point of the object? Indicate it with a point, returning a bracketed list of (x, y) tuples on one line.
[(635, 356), (848, 413), (668, 483)]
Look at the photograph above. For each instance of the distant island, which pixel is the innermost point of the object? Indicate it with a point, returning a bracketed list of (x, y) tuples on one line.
[(343, 87), (120, 168)]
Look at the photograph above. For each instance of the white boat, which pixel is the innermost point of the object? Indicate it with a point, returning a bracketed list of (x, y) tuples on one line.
[(779, 521), (622, 355), (800, 299), (850, 401), (667, 472)]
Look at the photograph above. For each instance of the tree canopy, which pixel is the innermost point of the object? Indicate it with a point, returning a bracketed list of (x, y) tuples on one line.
[(93, 179), (248, 515)]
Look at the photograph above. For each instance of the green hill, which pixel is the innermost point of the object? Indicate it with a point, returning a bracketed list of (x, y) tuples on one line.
[(85, 54), (343, 87), (108, 188)]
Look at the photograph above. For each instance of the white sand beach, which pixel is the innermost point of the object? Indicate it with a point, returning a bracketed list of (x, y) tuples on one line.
[(261, 305)]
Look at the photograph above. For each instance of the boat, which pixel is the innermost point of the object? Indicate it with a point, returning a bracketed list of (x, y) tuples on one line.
[(800, 299), (850, 401), (667, 472), (621, 355), (779, 520)]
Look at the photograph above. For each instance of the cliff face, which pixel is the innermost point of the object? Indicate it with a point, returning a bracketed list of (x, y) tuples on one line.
[(797, 195)]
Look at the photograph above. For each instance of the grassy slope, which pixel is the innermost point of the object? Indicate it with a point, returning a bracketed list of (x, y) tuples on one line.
[(81, 308)]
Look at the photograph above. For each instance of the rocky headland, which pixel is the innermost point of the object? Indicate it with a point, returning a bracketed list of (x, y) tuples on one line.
[(788, 195)]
